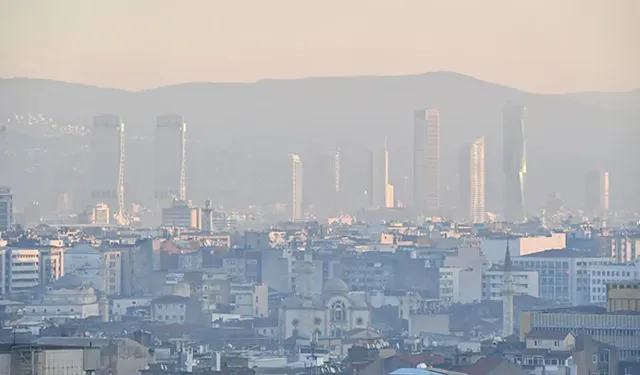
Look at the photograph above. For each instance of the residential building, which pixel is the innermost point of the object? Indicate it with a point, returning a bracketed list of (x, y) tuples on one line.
[(20, 269), (524, 283), (250, 300), (460, 285)]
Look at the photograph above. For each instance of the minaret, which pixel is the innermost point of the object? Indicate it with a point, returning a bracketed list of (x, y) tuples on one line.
[(507, 295)]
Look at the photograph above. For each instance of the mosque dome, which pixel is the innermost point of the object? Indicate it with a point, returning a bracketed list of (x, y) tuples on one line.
[(335, 286)]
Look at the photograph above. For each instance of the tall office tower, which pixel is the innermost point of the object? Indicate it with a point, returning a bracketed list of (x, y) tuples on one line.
[(107, 149), (337, 205), (378, 188), (320, 185), (170, 158), (296, 188), (472, 182), (388, 189), (426, 162), (515, 162), (6, 208), (369, 191), (596, 193)]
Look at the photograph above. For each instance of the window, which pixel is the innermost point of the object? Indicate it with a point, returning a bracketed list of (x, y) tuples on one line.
[(338, 311), (556, 343), (535, 342)]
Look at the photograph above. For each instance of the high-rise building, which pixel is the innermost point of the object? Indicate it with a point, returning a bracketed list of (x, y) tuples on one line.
[(107, 150), (336, 181), (170, 159), (296, 188), (6, 208), (322, 184), (388, 189), (472, 182), (101, 214), (426, 162), (379, 192), (182, 214), (515, 162), (596, 193)]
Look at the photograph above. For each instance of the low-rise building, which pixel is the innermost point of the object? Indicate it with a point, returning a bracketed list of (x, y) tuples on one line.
[(460, 285)]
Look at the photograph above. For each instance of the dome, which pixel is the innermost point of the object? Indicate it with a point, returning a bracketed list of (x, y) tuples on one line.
[(335, 286), (68, 281), (292, 302)]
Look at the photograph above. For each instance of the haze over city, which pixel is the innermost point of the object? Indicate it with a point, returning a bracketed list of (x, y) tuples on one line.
[(337, 187)]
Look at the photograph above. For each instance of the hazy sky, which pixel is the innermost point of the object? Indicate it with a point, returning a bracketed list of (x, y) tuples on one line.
[(536, 45)]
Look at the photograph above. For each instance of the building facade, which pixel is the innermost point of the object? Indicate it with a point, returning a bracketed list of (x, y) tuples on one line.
[(6, 208), (515, 162), (426, 161)]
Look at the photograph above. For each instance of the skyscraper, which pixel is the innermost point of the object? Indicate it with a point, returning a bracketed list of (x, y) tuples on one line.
[(388, 189), (472, 182), (515, 162), (296, 188), (322, 184), (6, 208), (426, 161), (596, 193), (336, 181), (170, 160), (107, 164), (380, 193)]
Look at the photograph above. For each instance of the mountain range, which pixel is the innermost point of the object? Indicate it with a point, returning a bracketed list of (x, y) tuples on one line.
[(240, 134)]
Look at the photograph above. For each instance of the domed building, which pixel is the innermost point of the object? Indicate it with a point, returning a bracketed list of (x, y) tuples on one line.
[(329, 314)]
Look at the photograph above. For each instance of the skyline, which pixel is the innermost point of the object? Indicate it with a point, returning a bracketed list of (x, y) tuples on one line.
[(495, 42)]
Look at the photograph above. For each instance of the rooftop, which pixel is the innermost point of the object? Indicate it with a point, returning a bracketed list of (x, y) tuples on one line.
[(559, 253)]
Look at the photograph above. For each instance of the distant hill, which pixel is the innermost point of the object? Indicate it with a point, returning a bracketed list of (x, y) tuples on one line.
[(241, 133)]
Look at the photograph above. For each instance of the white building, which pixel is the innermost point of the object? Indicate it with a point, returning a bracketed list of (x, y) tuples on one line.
[(493, 248), (118, 306), (600, 275), (524, 283), (19, 269), (331, 313), (170, 309), (101, 214), (250, 300), (6, 208), (564, 275), (460, 285)]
